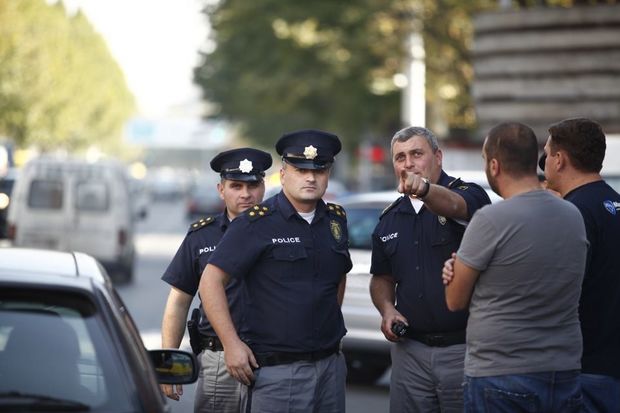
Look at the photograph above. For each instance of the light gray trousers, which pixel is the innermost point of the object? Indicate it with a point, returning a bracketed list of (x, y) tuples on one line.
[(300, 387), (426, 379), (216, 390)]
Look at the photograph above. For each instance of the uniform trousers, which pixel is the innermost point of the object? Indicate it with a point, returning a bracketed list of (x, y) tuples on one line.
[(426, 379), (216, 390), (300, 387)]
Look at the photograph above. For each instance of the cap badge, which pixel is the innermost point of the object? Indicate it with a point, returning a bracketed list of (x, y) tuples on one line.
[(245, 166), (336, 230), (310, 152)]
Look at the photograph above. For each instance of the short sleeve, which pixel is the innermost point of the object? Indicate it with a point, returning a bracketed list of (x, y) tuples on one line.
[(379, 263), (181, 272), (238, 249), (479, 243), (474, 195)]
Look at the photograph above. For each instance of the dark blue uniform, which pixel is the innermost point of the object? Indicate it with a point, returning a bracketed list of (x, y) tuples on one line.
[(191, 259), (599, 307), (291, 271), (412, 247)]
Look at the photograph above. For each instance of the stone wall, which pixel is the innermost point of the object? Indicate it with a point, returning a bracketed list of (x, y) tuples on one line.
[(542, 65)]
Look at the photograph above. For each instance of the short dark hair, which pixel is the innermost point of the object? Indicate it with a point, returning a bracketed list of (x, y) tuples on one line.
[(583, 140), (515, 145)]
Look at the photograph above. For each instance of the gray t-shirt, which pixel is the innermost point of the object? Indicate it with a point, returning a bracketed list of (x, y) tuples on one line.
[(531, 253)]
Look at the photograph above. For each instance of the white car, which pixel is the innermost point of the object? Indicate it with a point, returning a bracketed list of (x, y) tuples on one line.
[(366, 349), (68, 343)]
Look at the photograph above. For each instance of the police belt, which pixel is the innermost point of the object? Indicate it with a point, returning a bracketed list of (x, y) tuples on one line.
[(276, 358), (212, 343), (437, 339)]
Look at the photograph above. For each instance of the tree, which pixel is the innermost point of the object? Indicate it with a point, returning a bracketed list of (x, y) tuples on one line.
[(59, 85), (278, 66)]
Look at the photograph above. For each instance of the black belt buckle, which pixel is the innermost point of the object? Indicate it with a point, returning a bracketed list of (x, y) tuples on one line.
[(435, 340), (212, 343)]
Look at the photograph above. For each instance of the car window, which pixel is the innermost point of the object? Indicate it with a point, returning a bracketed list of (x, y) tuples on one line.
[(92, 196), (45, 194), (361, 221), (56, 345)]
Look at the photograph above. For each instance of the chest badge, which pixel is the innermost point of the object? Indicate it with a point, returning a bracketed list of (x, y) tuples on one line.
[(442, 220), (336, 230)]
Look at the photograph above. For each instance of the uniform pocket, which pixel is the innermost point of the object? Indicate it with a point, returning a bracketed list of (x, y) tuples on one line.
[(289, 253)]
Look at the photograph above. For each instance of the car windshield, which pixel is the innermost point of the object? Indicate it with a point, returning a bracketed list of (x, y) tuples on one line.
[(361, 221), (54, 349)]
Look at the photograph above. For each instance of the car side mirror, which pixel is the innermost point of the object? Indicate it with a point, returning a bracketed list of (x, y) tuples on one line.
[(174, 366)]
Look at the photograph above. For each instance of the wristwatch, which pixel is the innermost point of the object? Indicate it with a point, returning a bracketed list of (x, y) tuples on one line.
[(427, 187)]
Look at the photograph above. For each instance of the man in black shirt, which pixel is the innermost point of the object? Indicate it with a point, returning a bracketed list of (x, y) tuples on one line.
[(572, 162)]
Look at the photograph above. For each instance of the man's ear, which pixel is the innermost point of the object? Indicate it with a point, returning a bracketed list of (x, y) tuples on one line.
[(561, 161), (494, 167), (220, 189)]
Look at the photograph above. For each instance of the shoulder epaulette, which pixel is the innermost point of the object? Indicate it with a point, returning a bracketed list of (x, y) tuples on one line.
[(257, 211), (201, 223), (389, 207), (337, 210), (455, 182)]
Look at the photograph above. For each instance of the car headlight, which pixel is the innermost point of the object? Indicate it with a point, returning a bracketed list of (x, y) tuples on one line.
[(4, 201)]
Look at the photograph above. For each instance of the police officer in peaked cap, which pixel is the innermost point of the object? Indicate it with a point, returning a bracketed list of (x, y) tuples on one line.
[(241, 186), (294, 264)]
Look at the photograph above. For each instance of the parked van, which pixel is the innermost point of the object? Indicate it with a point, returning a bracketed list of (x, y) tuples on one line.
[(75, 205)]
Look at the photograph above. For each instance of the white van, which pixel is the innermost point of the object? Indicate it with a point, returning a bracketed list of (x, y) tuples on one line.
[(68, 204)]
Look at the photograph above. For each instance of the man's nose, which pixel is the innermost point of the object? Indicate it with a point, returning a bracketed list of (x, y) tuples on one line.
[(409, 161), (245, 192)]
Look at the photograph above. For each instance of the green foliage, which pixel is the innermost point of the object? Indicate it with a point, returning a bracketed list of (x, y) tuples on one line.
[(282, 65), (59, 85)]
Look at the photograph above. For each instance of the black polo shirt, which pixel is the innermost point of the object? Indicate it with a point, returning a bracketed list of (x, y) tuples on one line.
[(291, 272), (191, 258), (412, 247), (599, 306)]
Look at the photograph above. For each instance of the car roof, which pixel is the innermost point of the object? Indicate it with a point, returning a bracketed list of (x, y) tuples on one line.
[(34, 266)]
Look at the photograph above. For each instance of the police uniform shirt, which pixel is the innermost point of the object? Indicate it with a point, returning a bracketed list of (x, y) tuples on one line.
[(412, 248), (291, 272), (599, 205), (191, 259)]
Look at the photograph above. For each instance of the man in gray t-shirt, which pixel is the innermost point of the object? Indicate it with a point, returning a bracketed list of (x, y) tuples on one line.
[(519, 269)]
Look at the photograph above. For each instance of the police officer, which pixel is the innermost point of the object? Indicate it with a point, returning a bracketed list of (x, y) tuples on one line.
[(292, 253), (241, 186), (413, 238)]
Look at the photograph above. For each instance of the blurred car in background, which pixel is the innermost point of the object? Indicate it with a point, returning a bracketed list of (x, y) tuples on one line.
[(167, 184), (203, 199), (70, 204), (6, 188), (68, 343), (366, 349)]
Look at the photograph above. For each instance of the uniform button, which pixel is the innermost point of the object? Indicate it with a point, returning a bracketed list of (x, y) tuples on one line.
[(415, 243), (420, 295), (417, 267)]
